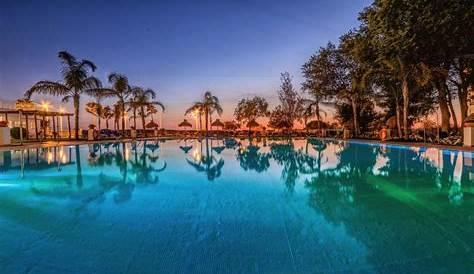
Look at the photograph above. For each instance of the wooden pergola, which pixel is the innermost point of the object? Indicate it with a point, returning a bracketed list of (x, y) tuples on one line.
[(38, 115)]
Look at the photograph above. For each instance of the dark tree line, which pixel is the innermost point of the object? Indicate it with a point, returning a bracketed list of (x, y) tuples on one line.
[(409, 57)]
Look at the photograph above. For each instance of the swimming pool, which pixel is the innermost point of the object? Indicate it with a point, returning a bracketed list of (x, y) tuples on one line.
[(231, 206)]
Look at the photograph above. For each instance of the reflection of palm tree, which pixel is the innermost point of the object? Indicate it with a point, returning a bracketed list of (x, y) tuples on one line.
[(251, 159), (144, 172), (78, 167), (75, 83), (285, 155), (208, 164)]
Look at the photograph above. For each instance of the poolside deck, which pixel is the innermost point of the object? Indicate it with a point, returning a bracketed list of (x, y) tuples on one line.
[(81, 142)]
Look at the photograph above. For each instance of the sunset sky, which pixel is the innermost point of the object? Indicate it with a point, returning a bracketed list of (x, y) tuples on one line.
[(179, 48)]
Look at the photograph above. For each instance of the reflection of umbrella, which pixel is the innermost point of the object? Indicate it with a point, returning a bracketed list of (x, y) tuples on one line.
[(151, 124), (252, 123), (185, 123), (230, 126), (218, 149), (217, 123), (152, 147), (186, 149)]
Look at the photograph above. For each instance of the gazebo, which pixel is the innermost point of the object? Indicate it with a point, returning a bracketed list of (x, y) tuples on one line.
[(38, 119)]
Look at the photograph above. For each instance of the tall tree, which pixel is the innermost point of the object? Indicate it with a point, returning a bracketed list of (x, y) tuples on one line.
[(207, 106), (143, 99), (249, 109), (290, 108), (96, 110), (122, 90), (76, 81), (107, 114), (197, 109)]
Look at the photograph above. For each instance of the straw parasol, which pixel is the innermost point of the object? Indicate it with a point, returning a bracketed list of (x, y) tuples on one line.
[(252, 123), (185, 123), (218, 149), (151, 124), (217, 123)]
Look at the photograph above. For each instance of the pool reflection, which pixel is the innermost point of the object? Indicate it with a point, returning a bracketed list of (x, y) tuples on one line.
[(345, 200)]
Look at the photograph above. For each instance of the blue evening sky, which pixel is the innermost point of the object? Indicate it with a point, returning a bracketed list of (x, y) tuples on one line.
[(179, 48)]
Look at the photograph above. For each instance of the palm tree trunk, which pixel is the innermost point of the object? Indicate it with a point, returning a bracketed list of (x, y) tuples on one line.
[(397, 110), (135, 118), (200, 122), (462, 93), (444, 108), (143, 117), (207, 120), (405, 95), (354, 117), (98, 121), (450, 105), (107, 123), (123, 117), (76, 116)]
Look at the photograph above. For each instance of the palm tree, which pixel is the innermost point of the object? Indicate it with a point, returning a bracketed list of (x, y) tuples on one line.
[(312, 109), (143, 99), (117, 114), (196, 109), (76, 81), (122, 90), (96, 110), (209, 105), (107, 114), (99, 93)]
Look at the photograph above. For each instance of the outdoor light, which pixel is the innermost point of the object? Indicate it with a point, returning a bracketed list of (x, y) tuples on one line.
[(45, 105)]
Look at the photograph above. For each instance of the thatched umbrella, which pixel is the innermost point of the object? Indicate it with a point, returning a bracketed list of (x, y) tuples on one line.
[(185, 123), (218, 149), (217, 123), (151, 124), (252, 124)]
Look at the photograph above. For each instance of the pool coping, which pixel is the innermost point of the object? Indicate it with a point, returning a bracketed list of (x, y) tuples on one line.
[(85, 142)]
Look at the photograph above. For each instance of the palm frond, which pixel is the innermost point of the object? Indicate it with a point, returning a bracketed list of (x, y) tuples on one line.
[(67, 58), (149, 92), (100, 92), (92, 83), (87, 63), (66, 98), (48, 87), (159, 104)]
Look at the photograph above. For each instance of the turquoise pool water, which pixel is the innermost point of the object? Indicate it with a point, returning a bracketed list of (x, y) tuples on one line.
[(300, 206)]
